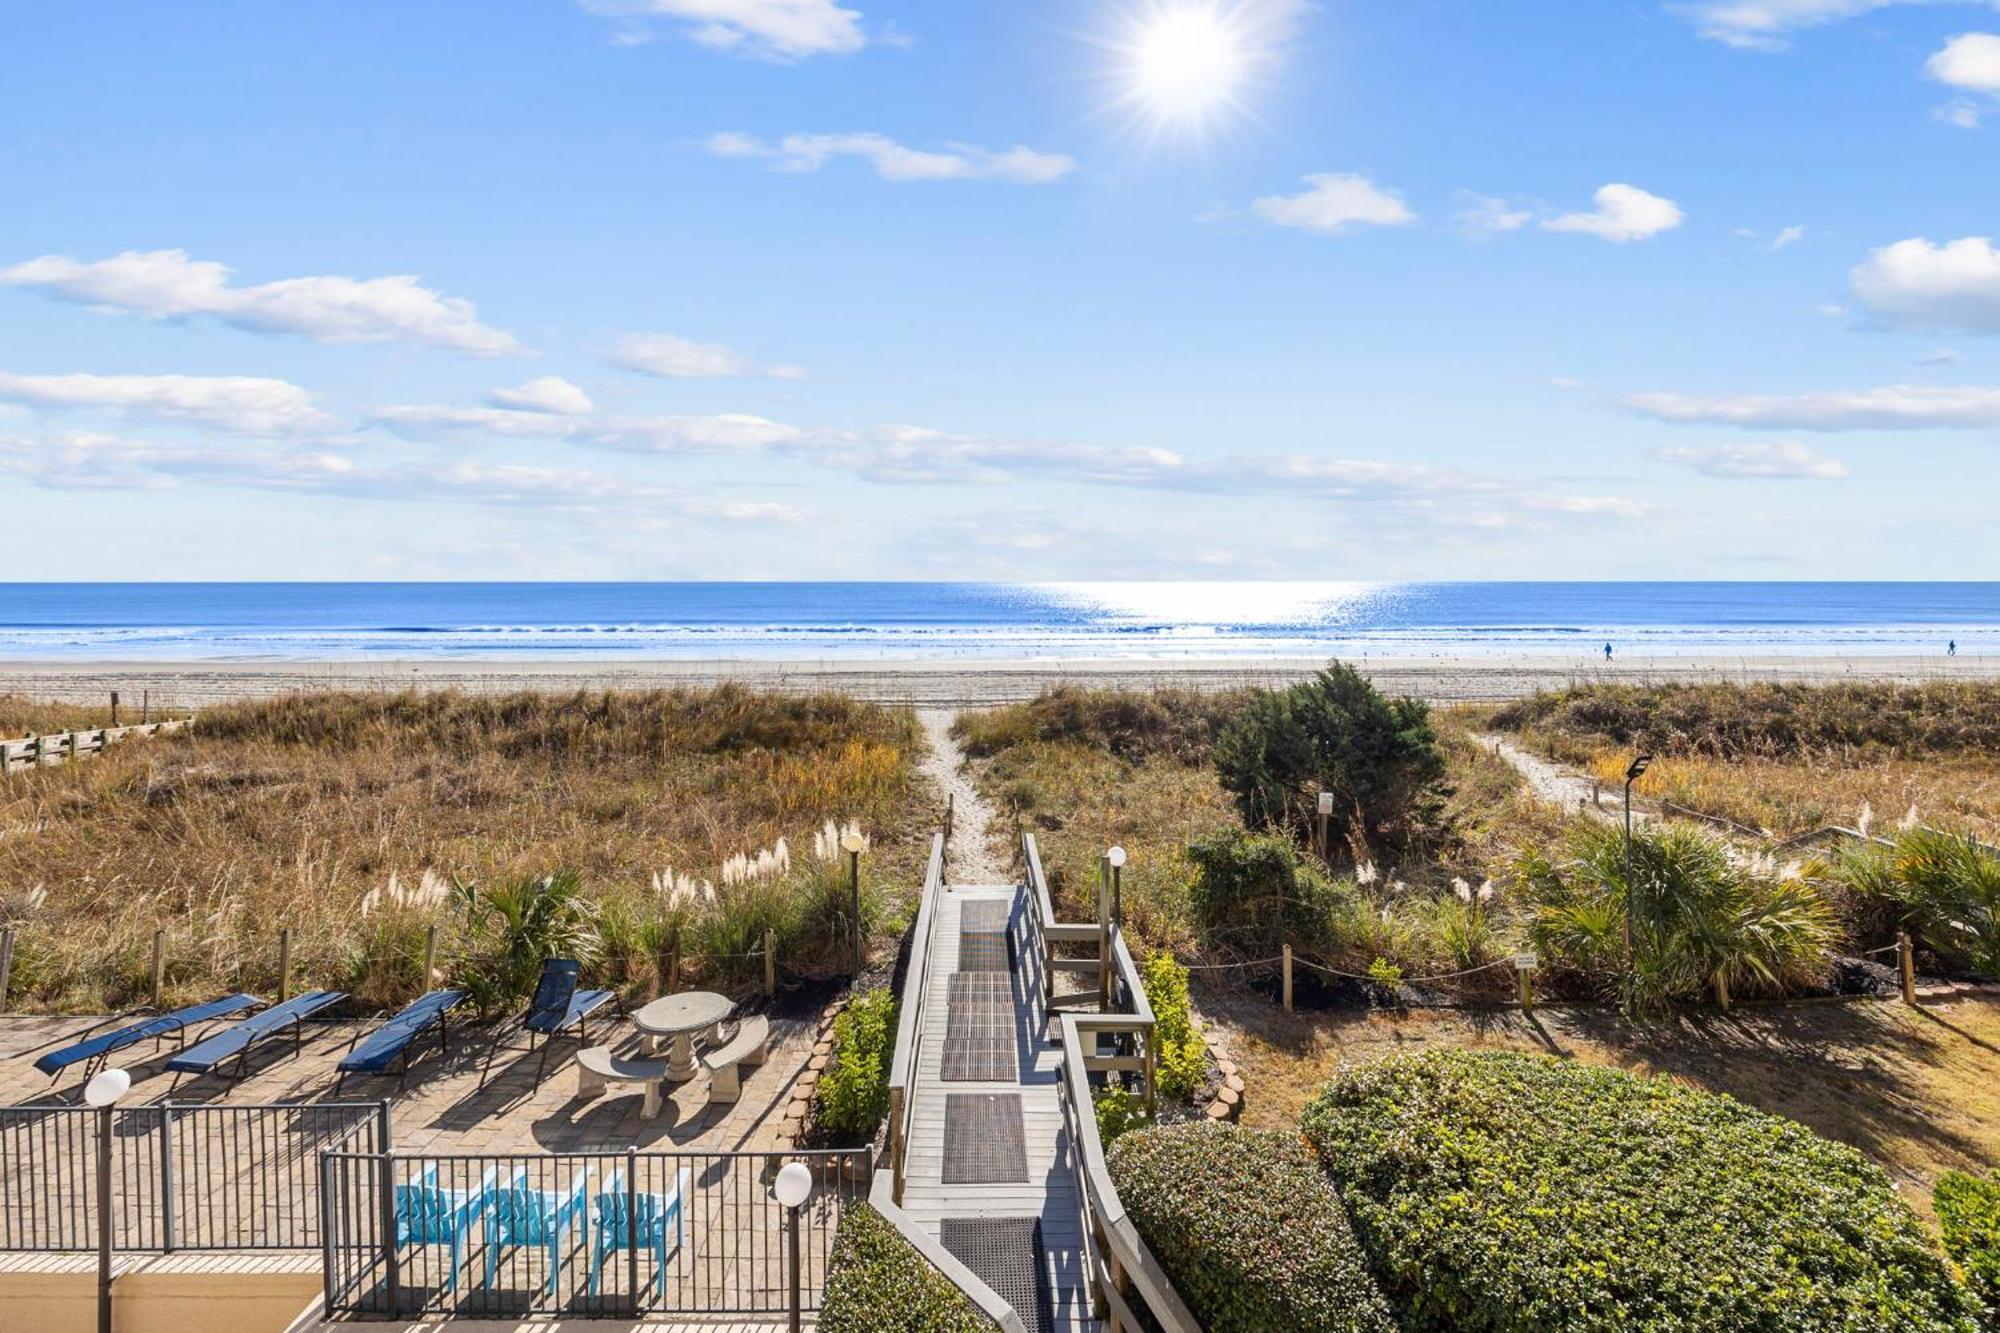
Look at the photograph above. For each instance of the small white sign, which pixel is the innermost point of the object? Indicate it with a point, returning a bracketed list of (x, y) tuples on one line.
[(1525, 962)]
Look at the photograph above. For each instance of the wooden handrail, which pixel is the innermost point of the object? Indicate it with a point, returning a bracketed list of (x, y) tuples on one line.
[(909, 1021)]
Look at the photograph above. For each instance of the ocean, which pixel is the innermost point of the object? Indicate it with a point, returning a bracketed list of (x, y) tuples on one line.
[(891, 621)]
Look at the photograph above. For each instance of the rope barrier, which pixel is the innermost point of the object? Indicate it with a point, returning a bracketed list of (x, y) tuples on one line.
[(1406, 981)]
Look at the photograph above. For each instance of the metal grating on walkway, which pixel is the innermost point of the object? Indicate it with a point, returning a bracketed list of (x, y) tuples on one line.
[(979, 1044), (1006, 1254), (984, 942), (984, 1142)]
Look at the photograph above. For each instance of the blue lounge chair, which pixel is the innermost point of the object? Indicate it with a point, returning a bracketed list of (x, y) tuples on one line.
[(656, 1213), (557, 1006), (427, 1215), (234, 1043), (518, 1216), (94, 1052), (392, 1041)]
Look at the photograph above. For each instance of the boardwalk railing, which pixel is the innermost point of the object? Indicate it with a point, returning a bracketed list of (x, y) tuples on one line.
[(1128, 1284), (518, 1235), (63, 746), (909, 1020), (182, 1177)]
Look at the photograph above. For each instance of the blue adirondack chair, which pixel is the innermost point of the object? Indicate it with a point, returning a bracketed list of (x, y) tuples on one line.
[(611, 1230), (556, 1007), (518, 1216), (427, 1215)]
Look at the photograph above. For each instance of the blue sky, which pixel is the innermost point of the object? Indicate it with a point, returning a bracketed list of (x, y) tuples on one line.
[(869, 289)]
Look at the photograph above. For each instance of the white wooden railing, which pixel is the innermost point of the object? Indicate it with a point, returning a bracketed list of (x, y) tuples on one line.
[(60, 747)]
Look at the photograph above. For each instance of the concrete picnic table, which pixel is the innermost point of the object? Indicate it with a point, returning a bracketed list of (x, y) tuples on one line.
[(679, 1017)]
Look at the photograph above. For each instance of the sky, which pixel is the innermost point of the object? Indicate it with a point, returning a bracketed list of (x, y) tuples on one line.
[(1043, 289)]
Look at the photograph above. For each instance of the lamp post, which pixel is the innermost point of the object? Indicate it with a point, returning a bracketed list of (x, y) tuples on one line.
[(1325, 812), (1632, 775), (791, 1189), (103, 1092), (1116, 856), (852, 842)]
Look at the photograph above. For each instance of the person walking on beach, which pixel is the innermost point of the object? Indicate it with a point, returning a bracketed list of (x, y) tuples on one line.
[(1607, 652), (1951, 649)]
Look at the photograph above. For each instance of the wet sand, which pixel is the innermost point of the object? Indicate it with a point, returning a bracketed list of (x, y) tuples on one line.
[(932, 683)]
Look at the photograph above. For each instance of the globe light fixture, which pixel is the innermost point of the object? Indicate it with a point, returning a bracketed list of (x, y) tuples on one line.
[(106, 1087)]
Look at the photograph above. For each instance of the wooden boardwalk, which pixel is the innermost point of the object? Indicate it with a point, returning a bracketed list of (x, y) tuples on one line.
[(1051, 1191)]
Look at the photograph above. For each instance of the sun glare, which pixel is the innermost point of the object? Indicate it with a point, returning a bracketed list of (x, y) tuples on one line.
[(1180, 68), (1187, 62)]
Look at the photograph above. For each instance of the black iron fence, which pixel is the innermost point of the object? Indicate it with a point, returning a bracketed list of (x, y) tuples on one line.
[(575, 1234), (182, 1177)]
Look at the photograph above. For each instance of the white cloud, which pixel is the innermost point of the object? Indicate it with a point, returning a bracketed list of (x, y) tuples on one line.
[(1624, 213), (773, 29), (167, 284), (1765, 24), (546, 393), (73, 461), (1485, 216), (1567, 383), (1895, 407), (1787, 236), (242, 403), (1332, 202), (1970, 61), (893, 161), (671, 357), (1943, 356), (1917, 285), (1962, 112), (1782, 459)]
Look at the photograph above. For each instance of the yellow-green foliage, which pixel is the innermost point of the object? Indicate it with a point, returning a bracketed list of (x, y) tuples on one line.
[(1182, 1058), (877, 1282)]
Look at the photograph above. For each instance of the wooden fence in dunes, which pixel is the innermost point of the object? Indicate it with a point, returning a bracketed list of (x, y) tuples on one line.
[(60, 747)]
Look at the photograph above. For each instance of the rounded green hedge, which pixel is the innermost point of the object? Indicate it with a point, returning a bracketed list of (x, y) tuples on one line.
[(1510, 1192), (1248, 1229), (1968, 1210), (877, 1282)]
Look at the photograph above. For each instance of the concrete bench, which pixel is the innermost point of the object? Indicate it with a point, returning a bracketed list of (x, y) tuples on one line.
[(597, 1069), (747, 1047)]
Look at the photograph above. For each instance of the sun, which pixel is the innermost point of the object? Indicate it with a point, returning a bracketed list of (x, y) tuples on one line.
[(1187, 62), (1180, 68)]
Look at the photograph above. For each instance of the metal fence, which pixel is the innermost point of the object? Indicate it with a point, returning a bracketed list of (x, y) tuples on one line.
[(577, 1234), (182, 1177)]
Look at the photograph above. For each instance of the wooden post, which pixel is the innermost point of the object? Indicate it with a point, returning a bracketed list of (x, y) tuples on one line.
[(1527, 978), (430, 956), (6, 963), (770, 964), (1722, 992), (114, 708), (1907, 958), (284, 964), (159, 964), (1288, 978), (1104, 933), (145, 707)]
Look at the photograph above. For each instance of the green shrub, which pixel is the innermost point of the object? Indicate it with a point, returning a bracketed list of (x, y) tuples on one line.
[(1249, 1230), (1945, 888), (1251, 891), (853, 1093), (1182, 1060), (1968, 1210), (1334, 733), (1502, 1192), (1118, 1113), (518, 925), (877, 1282), (1702, 917)]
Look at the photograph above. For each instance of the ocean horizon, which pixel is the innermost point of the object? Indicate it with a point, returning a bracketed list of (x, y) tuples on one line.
[(891, 621)]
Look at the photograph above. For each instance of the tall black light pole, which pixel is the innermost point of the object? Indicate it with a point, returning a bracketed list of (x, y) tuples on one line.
[(1116, 856), (102, 1093), (791, 1189), (852, 843), (1632, 775)]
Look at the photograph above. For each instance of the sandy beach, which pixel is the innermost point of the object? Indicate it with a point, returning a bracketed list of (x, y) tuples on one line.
[(929, 683)]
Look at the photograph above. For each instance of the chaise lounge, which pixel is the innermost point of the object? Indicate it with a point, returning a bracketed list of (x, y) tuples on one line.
[(392, 1041), (236, 1043), (94, 1052)]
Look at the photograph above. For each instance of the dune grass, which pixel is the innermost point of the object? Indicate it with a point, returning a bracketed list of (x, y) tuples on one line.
[(288, 812)]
